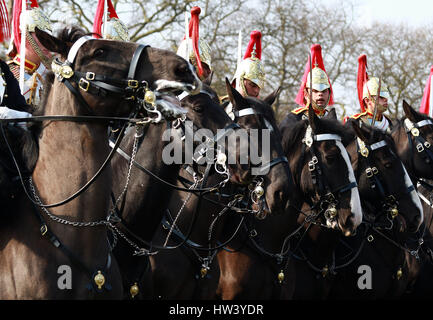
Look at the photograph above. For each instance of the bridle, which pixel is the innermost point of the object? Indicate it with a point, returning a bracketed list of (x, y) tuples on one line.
[(328, 198), (264, 167), (388, 205), (98, 85), (389, 202), (421, 145)]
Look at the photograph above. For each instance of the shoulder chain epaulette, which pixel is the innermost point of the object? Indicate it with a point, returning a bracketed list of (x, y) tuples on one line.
[(358, 115), (299, 110)]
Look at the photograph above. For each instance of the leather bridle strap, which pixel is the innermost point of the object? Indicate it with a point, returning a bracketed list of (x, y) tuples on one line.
[(100, 85), (134, 61)]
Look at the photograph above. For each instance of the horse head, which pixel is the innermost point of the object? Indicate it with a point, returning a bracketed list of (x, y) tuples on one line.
[(384, 185), (270, 170), (323, 173), (107, 76), (413, 136)]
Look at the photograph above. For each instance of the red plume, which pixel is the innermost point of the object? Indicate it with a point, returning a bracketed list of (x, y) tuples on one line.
[(255, 41), (361, 79), (17, 9), (194, 35), (425, 103), (317, 61), (97, 22), (5, 30)]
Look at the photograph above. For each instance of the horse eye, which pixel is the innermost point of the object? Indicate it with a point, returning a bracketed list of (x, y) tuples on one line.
[(98, 53), (198, 108), (388, 165)]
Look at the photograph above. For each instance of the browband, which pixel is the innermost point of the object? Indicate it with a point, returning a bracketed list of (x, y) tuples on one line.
[(76, 46)]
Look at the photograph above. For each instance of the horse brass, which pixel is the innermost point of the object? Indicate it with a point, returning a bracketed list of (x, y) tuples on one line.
[(99, 279), (281, 277), (134, 290), (399, 274)]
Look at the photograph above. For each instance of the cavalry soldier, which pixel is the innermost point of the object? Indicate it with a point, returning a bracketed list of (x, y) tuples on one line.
[(321, 93), (37, 59), (368, 94), (195, 50), (249, 77), (113, 28)]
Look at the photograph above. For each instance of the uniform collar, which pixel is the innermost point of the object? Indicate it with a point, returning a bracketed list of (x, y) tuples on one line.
[(378, 118), (29, 66)]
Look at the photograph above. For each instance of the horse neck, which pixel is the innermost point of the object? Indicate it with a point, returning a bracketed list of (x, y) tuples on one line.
[(146, 198), (70, 153)]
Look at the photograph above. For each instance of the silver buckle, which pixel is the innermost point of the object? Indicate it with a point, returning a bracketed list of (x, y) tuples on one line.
[(369, 172), (86, 84), (312, 163), (90, 75), (420, 147)]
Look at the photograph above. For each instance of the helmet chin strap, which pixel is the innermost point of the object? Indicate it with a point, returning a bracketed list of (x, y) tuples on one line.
[(46, 61), (314, 104)]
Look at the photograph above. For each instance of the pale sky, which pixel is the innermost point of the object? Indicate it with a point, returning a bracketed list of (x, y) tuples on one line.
[(413, 12)]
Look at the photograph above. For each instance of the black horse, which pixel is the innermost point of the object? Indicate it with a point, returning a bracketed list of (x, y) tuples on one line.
[(372, 264), (328, 201), (413, 136)]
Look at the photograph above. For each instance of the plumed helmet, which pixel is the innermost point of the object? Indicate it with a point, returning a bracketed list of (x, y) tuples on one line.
[(251, 67), (319, 76), (33, 17), (114, 29), (372, 86), (195, 49), (367, 86)]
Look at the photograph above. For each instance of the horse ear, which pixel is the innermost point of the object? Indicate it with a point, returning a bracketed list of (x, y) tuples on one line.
[(208, 80), (234, 96), (51, 43), (313, 119), (409, 111), (270, 99), (358, 131), (332, 114)]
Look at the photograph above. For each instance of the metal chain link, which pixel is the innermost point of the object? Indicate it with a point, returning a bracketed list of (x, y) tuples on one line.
[(112, 212), (62, 220), (196, 181)]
